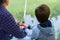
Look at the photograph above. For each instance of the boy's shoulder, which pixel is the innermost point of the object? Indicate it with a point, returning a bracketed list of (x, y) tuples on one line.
[(36, 28), (35, 32)]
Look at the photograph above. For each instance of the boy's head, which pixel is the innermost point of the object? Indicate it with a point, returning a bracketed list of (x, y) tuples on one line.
[(42, 13)]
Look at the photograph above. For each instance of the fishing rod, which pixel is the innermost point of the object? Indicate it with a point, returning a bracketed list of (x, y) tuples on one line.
[(25, 8)]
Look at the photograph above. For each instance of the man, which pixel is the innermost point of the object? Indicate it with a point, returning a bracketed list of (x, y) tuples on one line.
[(8, 25), (44, 30)]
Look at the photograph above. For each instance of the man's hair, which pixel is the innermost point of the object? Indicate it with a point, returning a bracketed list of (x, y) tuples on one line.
[(42, 13), (2, 1)]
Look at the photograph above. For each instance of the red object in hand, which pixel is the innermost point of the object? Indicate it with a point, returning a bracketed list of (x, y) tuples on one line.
[(23, 25)]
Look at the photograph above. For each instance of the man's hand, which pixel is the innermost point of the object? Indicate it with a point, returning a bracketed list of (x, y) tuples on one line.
[(17, 22), (23, 25)]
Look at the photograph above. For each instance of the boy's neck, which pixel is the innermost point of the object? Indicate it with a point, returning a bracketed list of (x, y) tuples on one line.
[(43, 21), (46, 24)]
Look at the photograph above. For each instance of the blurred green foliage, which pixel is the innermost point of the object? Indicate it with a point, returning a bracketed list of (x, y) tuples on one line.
[(16, 7)]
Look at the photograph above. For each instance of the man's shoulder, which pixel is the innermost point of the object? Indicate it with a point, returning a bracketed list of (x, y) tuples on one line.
[(4, 12)]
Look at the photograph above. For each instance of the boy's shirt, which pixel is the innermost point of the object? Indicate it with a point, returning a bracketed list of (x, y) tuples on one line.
[(43, 33)]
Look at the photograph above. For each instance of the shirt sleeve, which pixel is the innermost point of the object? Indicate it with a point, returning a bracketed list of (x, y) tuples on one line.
[(35, 33), (10, 26)]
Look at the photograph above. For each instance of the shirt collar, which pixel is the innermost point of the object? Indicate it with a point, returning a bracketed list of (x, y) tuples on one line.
[(46, 24)]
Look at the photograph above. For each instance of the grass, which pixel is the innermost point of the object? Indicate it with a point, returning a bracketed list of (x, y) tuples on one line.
[(16, 7)]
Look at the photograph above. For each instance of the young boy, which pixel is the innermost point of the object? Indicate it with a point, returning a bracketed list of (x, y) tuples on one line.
[(44, 30)]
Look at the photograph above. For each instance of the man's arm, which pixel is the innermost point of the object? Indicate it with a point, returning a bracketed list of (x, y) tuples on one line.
[(11, 27)]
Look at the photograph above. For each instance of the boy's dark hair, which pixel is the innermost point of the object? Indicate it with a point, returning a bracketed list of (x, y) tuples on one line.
[(2, 1), (42, 13)]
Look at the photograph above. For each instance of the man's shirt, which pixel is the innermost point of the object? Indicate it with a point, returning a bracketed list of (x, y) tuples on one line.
[(8, 25)]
